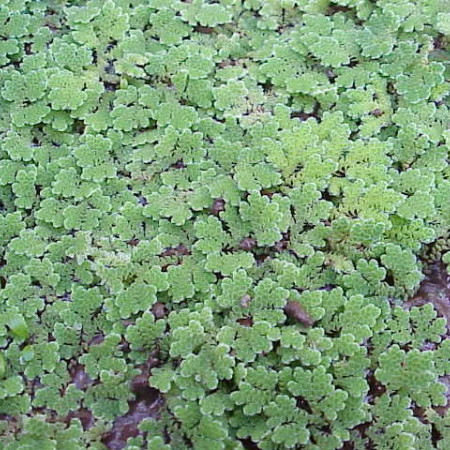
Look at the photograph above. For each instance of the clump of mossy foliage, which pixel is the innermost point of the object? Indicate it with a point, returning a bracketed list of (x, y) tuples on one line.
[(228, 204)]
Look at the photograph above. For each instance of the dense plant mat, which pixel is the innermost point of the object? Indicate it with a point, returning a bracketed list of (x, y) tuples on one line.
[(224, 224)]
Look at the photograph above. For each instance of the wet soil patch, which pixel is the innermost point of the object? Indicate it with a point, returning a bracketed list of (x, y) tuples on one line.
[(435, 289), (147, 404)]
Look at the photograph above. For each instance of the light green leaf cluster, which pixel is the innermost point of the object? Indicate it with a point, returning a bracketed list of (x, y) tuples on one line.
[(229, 217)]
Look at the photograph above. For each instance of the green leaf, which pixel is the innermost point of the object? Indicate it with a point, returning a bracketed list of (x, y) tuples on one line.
[(18, 327), (2, 365)]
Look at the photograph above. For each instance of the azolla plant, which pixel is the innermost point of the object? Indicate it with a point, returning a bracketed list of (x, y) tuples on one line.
[(224, 224)]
